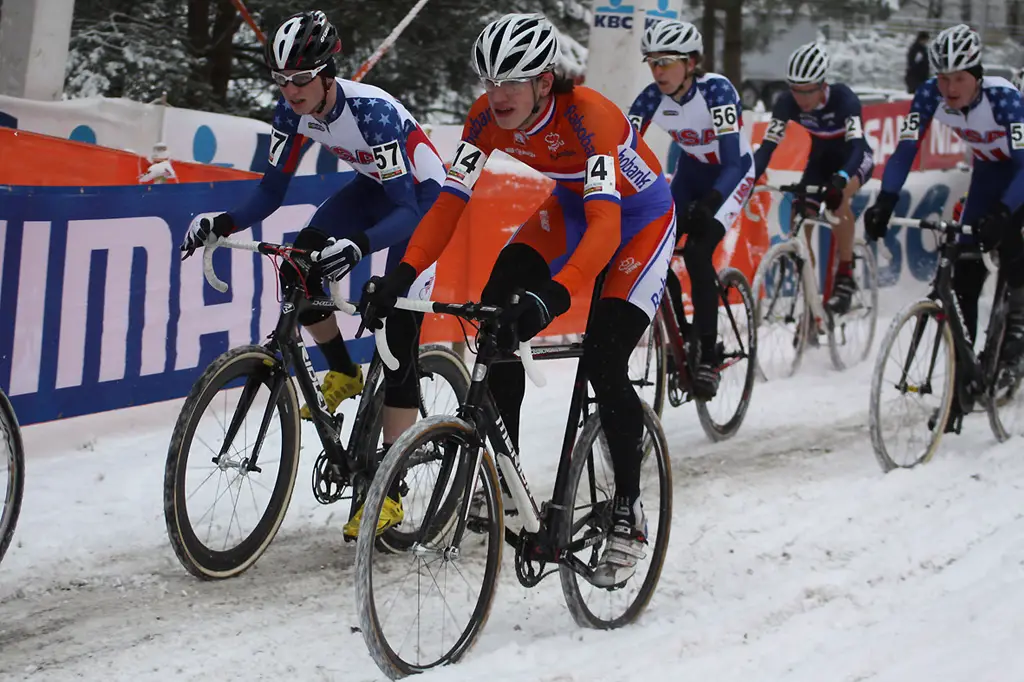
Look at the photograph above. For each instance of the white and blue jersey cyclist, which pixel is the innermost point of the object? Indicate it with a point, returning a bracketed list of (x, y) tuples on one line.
[(715, 173), (988, 114), (840, 158), (398, 177)]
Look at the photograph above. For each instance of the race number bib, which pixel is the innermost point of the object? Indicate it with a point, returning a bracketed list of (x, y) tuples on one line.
[(911, 126), (277, 144), (389, 160), (600, 176), (1017, 135), (467, 165), (725, 119), (854, 130), (776, 129), (636, 120)]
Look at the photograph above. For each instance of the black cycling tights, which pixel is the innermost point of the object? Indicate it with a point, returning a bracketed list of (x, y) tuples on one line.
[(615, 329)]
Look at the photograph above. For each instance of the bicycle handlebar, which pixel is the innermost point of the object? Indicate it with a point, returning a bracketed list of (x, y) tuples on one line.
[(937, 225), (380, 335), (796, 189)]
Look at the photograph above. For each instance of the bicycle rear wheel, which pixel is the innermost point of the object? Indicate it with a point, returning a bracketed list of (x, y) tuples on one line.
[(1004, 401), (912, 387), (783, 318), (405, 631), (852, 333), (211, 454), (737, 330), (588, 499), (12, 472)]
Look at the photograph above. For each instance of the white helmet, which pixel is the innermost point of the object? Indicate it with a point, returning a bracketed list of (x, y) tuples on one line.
[(516, 46), (808, 64), (956, 48), (669, 35), (1018, 79)]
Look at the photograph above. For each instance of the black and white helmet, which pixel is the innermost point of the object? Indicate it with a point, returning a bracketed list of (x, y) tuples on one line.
[(808, 64), (516, 46), (302, 41), (956, 48), (669, 35)]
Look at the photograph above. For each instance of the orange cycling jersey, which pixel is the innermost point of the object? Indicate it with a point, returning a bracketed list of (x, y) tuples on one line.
[(584, 143)]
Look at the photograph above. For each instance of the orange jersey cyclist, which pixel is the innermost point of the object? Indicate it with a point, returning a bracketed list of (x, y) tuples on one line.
[(611, 205)]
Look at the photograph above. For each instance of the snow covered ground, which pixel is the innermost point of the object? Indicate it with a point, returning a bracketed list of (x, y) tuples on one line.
[(792, 558)]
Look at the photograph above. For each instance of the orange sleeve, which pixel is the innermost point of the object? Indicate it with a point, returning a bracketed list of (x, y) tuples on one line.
[(434, 231), (596, 248), (436, 228)]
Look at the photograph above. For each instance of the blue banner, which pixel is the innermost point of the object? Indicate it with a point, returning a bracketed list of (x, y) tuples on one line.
[(102, 314)]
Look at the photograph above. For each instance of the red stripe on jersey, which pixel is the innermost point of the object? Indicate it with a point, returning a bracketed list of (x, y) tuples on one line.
[(292, 162)]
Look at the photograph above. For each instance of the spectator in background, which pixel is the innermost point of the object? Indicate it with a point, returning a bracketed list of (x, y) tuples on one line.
[(918, 70)]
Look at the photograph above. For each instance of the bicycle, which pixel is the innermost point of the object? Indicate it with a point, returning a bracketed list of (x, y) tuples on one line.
[(13, 463), (258, 376), (574, 522), (671, 346), (937, 319), (788, 302)]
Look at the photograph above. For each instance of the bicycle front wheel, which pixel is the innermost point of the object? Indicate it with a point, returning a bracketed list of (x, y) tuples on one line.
[(737, 347), (912, 387), (782, 315), (588, 516), (425, 607), (853, 332), (213, 464), (12, 462)]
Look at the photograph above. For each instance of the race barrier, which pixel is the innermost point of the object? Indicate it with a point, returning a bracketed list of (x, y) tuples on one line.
[(105, 315)]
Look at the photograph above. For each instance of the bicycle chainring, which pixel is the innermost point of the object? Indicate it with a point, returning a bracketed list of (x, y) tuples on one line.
[(329, 480)]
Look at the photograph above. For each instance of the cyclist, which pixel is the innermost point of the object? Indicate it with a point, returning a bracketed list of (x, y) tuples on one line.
[(840, 157), (714, 175), (988, 114), (399, 176), (611, 206)]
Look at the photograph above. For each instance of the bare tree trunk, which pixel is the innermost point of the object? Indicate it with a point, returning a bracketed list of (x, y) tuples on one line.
[(220, 56), (198, 43), (708, 29), (733, 45)]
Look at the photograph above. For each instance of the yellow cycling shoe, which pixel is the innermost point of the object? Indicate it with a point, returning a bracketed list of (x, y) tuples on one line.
[(390, 515), (337, 387)]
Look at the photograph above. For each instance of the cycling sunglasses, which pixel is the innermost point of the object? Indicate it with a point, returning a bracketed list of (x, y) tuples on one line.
[(666, 60), (300, 79)]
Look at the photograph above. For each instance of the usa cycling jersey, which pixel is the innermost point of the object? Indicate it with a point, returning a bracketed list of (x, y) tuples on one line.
[(375, 134), (993, 126), (836, 129), (705, 124)]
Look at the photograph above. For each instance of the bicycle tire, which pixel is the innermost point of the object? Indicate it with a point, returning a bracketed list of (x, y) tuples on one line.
[(582, 455), (918, 310), (10, 431), (448, 429), (728, 278), (787, 255), (204, 562), (864, 254)]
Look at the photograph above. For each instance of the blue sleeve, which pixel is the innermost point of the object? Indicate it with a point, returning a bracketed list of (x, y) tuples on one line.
[(726, 117), (285, 151), (383, 130), (643, 108), (782, 113), (1008, 110), (915, 125), (856, 146)]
